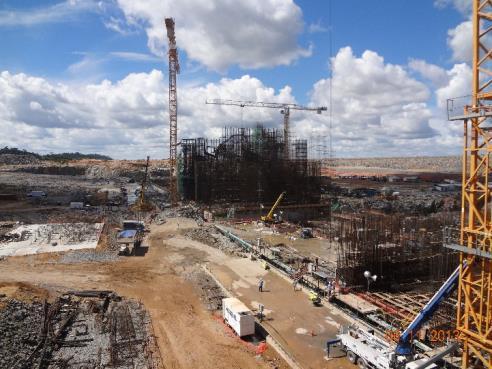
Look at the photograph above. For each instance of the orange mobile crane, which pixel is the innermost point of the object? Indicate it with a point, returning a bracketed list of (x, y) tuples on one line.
[(474, 318)]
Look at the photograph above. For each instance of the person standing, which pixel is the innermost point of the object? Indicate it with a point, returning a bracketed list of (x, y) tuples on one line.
[(260, 285)]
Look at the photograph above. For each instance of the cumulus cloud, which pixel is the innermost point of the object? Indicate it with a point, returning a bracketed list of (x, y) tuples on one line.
[(251, 34), (127, 118), (378, 108), (431, 72), (460, 42), (458, 85)]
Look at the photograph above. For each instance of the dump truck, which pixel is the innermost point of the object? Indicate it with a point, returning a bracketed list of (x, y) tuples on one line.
[(130, 237)]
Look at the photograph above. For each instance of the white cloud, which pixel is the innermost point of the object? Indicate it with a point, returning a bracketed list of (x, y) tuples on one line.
[(460, 42), (378, 109), (117, 24), (60, 12), (464, 6), (124, 119), (221, 33), (137, 57), (317, 28), (433, 73), (459, 85)]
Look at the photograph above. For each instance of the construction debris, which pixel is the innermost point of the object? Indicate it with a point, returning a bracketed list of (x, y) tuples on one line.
[(87, 329), (40, 238)]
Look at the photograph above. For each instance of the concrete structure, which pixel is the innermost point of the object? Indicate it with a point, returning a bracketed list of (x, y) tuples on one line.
[(40, 238)]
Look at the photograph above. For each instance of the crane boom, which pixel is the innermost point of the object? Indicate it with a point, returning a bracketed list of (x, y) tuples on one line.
[(269, 216), (260, 104), (404, 346), (286, 108)]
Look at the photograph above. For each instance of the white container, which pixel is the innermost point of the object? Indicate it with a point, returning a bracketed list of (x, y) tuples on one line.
[(238, 316), (76, 205)]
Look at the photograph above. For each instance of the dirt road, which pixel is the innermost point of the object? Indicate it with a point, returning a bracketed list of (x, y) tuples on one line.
[(188, 335)]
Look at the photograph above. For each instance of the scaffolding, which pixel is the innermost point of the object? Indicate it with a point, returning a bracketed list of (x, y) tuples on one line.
[(248, 165), (397, 248)]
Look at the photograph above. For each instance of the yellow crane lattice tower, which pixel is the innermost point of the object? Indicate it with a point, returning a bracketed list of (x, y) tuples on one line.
[(474, 318)]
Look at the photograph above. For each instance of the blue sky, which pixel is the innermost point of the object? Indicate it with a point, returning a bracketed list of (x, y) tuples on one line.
[(74, 44)]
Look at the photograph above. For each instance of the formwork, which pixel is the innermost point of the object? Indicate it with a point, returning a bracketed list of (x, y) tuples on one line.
[(247, 165)]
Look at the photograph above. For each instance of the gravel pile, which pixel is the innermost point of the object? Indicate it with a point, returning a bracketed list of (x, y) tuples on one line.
[(13, 159), (187, 211), (88, 256), (20, 326), (211, 237), (210, 292)]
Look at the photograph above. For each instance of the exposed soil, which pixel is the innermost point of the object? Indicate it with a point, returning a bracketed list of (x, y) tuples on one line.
[(189, 336)]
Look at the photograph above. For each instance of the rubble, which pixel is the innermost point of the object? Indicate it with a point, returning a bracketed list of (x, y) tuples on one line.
[(78, 330), (14, 159), (88, 256), (210, 292), (210, 236)]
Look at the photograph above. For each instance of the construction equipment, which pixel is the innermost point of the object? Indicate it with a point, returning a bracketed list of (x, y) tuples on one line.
[(367, 350), (130, 237), (270, 217), (314, 298), (474, 318), (285, 110), (306, 233), (142, 204), (173, 111)]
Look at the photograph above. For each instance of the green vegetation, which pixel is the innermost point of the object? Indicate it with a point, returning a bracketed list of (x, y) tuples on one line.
[(67, 156)]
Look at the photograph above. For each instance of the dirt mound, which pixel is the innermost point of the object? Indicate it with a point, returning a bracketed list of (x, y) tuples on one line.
[(14, 159)]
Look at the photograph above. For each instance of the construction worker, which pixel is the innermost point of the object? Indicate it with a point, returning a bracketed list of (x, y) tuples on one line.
[(329, 288), (295, 283), (260, 285)]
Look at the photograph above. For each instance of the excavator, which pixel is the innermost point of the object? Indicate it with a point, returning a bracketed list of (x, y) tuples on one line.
[(270, 217)]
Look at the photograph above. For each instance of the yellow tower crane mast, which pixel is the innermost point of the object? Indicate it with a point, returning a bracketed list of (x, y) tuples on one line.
[(474, 317)]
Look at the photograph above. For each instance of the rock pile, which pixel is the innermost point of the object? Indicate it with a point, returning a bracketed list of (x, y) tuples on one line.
[(210, 292), (82, 329), (14, 159), (20, 326), (211, 237)]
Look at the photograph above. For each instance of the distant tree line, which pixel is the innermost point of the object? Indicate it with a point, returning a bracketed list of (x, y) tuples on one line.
[(66, 156)]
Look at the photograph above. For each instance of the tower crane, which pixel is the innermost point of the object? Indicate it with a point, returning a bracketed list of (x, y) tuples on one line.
[(285, 110), (173, 110), (474, 318)]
